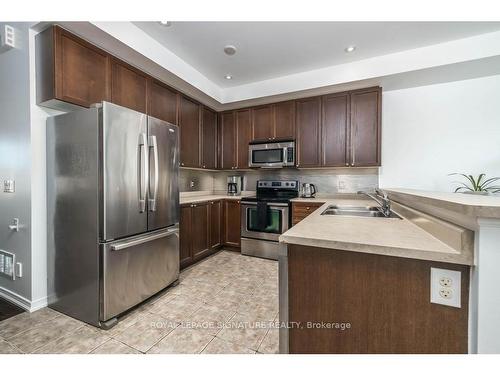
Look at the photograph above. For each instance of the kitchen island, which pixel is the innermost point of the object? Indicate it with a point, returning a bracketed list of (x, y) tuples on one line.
[(362, 284)]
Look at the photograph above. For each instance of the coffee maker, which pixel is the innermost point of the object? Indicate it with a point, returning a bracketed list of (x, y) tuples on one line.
[(234, 185)]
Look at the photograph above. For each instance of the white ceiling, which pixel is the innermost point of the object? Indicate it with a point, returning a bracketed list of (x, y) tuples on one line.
[(268, 50)]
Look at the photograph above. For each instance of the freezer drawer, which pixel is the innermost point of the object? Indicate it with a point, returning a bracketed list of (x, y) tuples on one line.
[(136, 268)]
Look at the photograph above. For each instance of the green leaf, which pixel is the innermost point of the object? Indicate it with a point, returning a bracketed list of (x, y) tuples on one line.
[(490, 181), (479, 178)]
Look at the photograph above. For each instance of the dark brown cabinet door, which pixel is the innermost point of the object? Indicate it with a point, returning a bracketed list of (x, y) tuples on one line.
[(365, 127), (335, 127), (128, 86), (215, 216), (284, 120), (200, 233), (228, 140), (189, 123), (308, 132), (185, 235), (209, 139), (162, 102), (81, 70), (232, 227), (262, 123), (243, 136)]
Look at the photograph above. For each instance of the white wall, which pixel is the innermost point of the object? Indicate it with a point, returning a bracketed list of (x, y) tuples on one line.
[(15, 162), (431, 131)]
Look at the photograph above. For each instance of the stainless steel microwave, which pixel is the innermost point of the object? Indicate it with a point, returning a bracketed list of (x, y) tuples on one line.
[(277, 154)]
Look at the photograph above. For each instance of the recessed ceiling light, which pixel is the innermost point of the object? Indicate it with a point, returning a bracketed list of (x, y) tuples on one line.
[(350, 49), (230, 50), (227, 76), (166, 23)]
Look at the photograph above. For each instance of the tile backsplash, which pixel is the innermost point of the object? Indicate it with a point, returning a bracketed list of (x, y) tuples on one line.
[(327, 182)]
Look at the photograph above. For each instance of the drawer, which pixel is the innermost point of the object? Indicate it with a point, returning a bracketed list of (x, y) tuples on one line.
[(301, 210)]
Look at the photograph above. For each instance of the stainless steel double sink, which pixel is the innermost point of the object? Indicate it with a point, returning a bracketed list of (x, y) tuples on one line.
[(363, 211)]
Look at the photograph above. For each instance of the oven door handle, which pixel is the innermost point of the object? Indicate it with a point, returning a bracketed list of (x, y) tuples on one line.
[(270, 205)]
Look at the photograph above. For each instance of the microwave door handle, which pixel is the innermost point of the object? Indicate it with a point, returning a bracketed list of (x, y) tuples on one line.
[(143, 171), (285, 155), (154, 145)]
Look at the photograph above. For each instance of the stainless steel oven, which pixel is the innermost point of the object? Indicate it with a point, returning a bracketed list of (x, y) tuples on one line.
[(277, 215), (271, 155), (265, 217)]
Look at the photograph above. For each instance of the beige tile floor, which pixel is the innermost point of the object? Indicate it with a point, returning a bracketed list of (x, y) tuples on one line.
[(227, 303)]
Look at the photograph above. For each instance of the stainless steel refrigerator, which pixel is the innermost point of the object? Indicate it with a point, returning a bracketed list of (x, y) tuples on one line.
[(113, 211)]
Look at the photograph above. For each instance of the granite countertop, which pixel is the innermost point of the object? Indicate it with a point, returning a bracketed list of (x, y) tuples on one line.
[(199, 197), (473, 205), (383, 236)]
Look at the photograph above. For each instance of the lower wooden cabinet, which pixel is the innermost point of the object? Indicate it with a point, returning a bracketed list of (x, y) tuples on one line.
[(301, 210), (200, 231), (215, 218), (232, 223)]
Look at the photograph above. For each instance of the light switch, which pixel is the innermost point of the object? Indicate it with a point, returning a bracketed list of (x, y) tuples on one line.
[(9, 186)]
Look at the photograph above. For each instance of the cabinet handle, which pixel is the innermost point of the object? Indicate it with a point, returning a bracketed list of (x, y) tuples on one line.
[(346, 164), (308, 208), (182, 163)]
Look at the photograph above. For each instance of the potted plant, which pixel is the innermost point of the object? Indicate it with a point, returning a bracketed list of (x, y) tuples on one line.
[(478, 185)]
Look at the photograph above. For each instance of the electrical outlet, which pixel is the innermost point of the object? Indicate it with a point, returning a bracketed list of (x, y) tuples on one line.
[(445, 281), (445, 287), (445, 293)]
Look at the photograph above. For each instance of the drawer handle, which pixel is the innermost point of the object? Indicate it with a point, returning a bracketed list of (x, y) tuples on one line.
[(139, 241)]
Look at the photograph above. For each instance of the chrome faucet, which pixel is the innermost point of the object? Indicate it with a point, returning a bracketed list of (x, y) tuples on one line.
[(382, 199)]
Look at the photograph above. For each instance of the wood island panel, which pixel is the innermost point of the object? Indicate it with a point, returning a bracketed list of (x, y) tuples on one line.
[(385, 299)]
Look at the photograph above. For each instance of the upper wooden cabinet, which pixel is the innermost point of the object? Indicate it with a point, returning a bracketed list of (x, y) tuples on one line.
[(70, 69), (227, 140), (243, 136), (262, 123), (308, 132), (189, 123), (365, 127), (162, 102), (284, 120), (209, 137), (129, 86), (335, 128), (273, 121)]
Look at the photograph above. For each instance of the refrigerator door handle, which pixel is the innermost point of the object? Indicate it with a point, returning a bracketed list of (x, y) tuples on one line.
[(143, 168), (139, 241), (152, 201)]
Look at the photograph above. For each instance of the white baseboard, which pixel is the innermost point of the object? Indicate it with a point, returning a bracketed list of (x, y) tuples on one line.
[(23, 302)]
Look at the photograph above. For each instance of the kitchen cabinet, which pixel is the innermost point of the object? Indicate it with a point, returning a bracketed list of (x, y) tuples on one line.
[(308, 132), (215, 219), (162, 102), (128, 86), (365, 127), (70, 70), (301, 210), (189, 124), (185, 235), (209, 139), (262, 123), (232, 223), (284, 120), (243, 137), (335, 129), (274, 121), (227, 140), (200, 231)]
